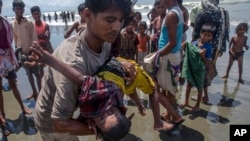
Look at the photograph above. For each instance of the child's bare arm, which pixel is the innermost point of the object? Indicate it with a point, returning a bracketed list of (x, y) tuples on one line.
[(134, 97), (42, 56), (245, 45)]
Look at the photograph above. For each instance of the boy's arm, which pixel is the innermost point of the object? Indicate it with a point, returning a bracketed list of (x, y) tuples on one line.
[(42, 56), (134, 97), (71, 29), (245, 45)]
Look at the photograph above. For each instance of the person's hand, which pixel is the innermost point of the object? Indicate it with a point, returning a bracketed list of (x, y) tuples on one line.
[(247, 47), (142, 110), (130, 71), (38, 54)]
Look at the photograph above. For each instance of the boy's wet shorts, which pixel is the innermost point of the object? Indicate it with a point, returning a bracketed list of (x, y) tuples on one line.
[(11, 75), (142, 82)]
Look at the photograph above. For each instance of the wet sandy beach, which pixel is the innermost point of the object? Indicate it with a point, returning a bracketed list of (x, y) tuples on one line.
[(229, 105)]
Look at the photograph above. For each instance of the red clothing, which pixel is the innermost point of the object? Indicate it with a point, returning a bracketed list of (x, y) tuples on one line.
[(97, 96), (142, 45), (3, 38), (40, 30)]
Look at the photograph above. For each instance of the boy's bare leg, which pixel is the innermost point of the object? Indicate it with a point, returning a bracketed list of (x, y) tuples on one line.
[(33, 87), (205, 97), (158, 123), (188, 90), (197, 105), (13, 86), (2, 113), (240, 66), (229, 66)]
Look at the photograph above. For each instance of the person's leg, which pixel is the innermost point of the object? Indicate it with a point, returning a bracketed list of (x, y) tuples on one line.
[(205, 98), (230, 63), (154, 102), (13, 86), (197, 105), (188, 90), (240, 66), (2, 113), (166, 115)]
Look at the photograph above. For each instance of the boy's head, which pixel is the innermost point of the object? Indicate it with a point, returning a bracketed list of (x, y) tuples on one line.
[(101, 102), (142, 27), (207, 32), (80, 8), (130, 25), (112, 125), (242, 27), (18, 7), (137, 16), (105, 18), (36, 12)]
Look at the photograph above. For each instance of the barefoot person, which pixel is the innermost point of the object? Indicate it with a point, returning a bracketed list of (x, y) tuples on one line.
[(24, 34), (86, 52), (236, 51), (7, 64), (197, 72), (112, 71)]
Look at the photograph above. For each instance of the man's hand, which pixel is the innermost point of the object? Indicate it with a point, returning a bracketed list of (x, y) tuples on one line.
[(130, 71)]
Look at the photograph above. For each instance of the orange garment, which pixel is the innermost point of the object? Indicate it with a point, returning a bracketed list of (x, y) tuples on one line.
[(40, 30), (142, 44)]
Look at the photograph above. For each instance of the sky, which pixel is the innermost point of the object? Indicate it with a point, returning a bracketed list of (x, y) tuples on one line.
[(50, 5)]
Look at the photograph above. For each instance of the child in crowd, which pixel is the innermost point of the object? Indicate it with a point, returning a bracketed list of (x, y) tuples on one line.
[(142, 42), (78, 25), (137, 18), (112, 71), (43, 33), (236, 51), (197, 61), (127, 41)]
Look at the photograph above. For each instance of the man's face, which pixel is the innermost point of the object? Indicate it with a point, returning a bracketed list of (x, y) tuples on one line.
[(36, 15), (108, 119), (105, 25), (18, 11)]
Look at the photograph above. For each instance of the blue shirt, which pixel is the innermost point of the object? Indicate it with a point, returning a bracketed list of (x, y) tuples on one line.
[(164, 38), (208, 47)]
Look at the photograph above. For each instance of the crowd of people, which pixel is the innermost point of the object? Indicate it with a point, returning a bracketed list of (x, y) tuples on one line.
[(93, 69)]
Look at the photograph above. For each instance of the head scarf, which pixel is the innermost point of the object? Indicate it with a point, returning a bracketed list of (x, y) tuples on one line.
[(210, 4)]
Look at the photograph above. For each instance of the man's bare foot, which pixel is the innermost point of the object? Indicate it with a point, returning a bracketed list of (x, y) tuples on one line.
[(195, 108), (224, 77), (204, 99), (241, 81), (32, 96), (27, 111), (165, 117), (184, 105), (163, 126)]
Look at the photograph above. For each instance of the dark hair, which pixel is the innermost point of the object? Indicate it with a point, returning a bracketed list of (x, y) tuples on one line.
[(208, 27), (96, 6), (144, 24), (245, 25), (138, 14), (180, 2), (18, 3), (117, 132), (1, 2), (81, 7), (35, 9)]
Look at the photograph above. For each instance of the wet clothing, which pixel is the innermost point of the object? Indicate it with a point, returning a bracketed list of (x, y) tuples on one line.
[(193, 68), (58, 97), (237, 55), (97, 96), (7, 57)]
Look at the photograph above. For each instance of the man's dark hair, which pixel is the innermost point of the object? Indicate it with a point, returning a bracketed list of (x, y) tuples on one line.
[(245, 25), (117, 132), (35, 9), (208, 27), (18, 3), (81, 7), (96, 6)]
